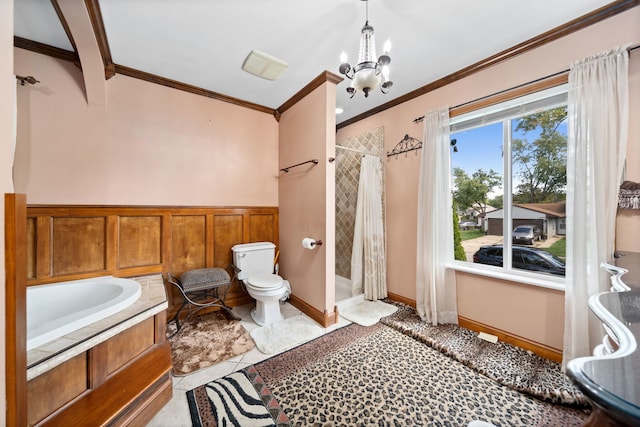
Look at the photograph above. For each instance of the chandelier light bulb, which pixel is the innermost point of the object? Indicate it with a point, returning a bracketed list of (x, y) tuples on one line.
[(387, 46), (343, 57)]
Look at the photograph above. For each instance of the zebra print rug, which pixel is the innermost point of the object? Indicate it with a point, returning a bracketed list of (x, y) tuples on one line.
[(239, 399), (368, 376)]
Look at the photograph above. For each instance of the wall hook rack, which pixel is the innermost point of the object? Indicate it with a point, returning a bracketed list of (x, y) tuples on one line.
[(408, 143), (314, 161)]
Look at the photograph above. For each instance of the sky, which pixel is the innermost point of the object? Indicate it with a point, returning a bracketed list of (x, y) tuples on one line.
[(481, 148)]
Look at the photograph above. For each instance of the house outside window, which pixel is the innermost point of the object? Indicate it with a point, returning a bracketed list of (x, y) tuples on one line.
[(509, 179)]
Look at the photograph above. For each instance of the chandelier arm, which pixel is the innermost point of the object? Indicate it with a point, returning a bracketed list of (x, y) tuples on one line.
[(351, 91), (347, 70)]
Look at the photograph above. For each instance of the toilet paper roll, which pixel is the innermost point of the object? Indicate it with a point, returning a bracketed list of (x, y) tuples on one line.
[(309, 243)]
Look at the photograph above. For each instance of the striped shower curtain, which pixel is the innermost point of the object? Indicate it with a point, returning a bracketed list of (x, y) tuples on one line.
[(368, 257)]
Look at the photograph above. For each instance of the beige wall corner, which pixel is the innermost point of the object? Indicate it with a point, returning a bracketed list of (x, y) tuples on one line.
[(307, 197)]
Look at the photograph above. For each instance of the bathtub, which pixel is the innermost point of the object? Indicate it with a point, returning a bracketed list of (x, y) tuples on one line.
[(60, 308)]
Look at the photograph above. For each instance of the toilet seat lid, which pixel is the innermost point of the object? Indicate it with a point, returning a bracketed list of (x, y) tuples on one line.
[(265, 281)]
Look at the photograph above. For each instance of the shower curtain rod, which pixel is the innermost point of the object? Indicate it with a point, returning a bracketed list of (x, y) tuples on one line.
[(356, 151)]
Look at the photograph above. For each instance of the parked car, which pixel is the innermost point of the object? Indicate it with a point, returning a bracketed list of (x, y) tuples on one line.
[(468, 225), (524, 258), (525, 234)]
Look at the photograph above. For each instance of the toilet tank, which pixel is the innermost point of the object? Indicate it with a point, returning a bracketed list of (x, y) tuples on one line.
[(253, 258)]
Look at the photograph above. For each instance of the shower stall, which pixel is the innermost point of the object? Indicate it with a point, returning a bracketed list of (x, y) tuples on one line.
[(349, 155)]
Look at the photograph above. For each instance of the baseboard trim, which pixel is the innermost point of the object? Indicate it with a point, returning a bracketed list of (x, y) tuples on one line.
[(325, 318), (399, 298), (524, 343), (504, 336)]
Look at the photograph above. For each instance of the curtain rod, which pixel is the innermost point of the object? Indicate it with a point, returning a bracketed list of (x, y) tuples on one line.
[(419, 119), (356, 151)]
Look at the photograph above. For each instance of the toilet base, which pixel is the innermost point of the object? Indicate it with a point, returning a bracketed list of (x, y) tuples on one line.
[(266, 313)]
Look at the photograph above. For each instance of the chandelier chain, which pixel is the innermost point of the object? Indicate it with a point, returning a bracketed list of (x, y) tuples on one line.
[(366, 11)]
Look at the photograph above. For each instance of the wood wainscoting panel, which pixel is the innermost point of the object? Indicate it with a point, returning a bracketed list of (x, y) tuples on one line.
[(188, 243), (55, 388), (261, 228), (139, 241), (31, 248), (78, 242), (15, 309), (43, 246), (130, 343), (128, 398), (227, 232), (79, 245)]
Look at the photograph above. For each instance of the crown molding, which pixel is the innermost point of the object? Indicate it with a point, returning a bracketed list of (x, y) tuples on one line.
[(556, 33), (325, 76), (152, 78), (45, 49)]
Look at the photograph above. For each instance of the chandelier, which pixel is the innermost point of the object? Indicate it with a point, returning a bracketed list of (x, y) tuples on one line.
[(369, 72)]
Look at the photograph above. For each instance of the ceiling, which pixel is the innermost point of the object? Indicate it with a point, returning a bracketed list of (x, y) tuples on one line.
[(204, 43)]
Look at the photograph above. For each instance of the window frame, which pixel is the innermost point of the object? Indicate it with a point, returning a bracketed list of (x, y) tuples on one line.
[(506, 101)]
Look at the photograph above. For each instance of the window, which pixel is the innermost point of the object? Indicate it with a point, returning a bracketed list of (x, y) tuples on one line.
[(509, 175)]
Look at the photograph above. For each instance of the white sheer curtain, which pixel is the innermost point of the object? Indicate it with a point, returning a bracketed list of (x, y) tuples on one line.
[(435, 284), (368, 259), (598, 124)]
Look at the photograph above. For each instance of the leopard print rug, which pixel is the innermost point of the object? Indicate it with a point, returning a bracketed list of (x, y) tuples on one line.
[(509, 365), (362, 376)]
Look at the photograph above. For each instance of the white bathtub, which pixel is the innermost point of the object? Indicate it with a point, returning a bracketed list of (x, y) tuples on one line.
[(60, 308)]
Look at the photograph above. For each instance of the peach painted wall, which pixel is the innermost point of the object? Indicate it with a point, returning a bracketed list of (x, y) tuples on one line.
[(307, 197), (7, 88), (543, 306), (402, 175), (149, 145)]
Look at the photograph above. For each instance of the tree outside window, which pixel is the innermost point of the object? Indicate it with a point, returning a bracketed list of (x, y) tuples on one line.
[(537, 144)]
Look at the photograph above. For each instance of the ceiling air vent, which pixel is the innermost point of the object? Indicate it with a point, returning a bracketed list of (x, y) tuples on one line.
[(262, 65)]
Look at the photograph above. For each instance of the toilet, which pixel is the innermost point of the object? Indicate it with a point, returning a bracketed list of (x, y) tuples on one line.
[(255, 264)]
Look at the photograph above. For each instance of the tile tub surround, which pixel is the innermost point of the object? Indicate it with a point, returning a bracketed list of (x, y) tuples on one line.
[(153, 300)]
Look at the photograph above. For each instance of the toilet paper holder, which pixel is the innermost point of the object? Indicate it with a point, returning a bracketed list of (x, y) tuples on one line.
[(309, 243)]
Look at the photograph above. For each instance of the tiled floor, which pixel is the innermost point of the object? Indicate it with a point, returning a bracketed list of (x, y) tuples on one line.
[(176, 412)]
